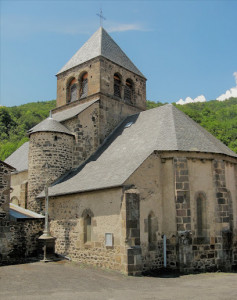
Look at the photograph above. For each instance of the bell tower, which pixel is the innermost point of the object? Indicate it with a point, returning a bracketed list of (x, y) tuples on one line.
[(101, 70)]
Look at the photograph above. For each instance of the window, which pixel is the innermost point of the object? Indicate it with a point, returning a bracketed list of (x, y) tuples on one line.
[(117, 85), (201, 215), (87, 216), (72, 90), (152, 229), (84, 85), (128, 90), (87, 237)]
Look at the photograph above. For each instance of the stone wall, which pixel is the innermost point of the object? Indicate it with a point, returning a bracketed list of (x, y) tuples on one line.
[(92, 67), (85, 126), (67, 225), (47, 147), (172, 198), (151, 212), (101, 80), (19, 184), (19, 240), (108, 69), (5, 176), (112, 112)]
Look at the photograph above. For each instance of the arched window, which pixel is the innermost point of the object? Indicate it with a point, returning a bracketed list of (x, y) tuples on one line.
[(84, 85), (72, 90), (87, 216), (201, 214), (117, 85), (152, 229), (128, 90), (87, 237), (15, 200)]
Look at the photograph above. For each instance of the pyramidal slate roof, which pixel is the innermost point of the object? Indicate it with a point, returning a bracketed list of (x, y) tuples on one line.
[(101, 44), (19, 158), (164, 129), (51, 125)]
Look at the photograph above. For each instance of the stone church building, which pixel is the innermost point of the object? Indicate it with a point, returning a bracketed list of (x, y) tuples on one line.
[(130, 189)]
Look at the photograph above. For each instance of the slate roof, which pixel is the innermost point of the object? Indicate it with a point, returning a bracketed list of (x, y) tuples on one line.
[(72, 112), (51, 125), (101, 44), (19, 158), (164, 129)]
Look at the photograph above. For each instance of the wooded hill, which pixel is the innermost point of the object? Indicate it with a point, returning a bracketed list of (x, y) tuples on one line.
[(219, 118)]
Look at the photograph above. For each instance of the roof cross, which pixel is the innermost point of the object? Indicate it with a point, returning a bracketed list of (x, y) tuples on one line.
[(100, 15)]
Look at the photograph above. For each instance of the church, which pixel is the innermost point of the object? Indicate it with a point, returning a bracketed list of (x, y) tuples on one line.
[(129, 189)]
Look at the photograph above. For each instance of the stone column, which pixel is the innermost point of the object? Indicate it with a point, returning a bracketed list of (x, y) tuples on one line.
[(183, 212), (131, 215), (224, 232), (182, 194)]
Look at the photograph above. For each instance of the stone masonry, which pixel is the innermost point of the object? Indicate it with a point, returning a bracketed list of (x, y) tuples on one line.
[(19, 240), (5, 175), (52, 148)]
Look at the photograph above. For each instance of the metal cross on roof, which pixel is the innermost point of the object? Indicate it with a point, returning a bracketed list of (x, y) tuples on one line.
[(100, 15)]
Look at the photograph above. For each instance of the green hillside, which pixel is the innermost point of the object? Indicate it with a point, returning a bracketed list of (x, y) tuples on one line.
[(219, 118), (17, 120)]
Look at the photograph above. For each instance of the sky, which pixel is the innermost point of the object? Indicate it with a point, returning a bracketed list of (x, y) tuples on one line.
[(186, 49)]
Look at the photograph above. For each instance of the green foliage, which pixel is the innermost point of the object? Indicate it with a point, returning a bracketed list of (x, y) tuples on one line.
[(17, 120), (219, 118), (153, 104)]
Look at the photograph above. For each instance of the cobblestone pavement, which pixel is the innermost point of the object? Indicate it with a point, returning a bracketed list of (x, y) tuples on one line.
[(68, 280)]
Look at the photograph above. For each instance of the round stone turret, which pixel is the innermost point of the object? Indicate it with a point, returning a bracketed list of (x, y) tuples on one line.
[(50, 156)]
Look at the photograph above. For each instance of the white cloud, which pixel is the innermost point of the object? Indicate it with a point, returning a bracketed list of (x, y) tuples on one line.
[(200, 98), (125, 27), (229, 93)]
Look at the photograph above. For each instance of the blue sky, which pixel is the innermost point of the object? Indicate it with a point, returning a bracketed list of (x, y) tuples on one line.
[(184, 48)]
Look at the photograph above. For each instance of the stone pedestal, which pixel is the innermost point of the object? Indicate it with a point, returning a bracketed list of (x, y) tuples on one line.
[(47, 247)]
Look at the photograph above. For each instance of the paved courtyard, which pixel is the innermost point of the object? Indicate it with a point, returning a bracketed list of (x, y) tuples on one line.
[(68, 280)]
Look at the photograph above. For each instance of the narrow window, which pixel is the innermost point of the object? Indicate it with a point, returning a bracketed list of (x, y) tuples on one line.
[(87, 229), (117, 85), (84, 85), (128, 91), (201, 215), (72, 90), (152, 228)]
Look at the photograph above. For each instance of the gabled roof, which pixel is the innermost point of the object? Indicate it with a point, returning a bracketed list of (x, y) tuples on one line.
[(51, 125), (101, 44), (164, 129), (72, 112), (19, 158)]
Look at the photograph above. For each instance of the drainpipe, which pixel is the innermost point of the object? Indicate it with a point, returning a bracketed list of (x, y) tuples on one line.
[(164, 250)]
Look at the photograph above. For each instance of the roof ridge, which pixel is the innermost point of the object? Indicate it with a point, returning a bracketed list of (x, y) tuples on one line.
[(173, 120)]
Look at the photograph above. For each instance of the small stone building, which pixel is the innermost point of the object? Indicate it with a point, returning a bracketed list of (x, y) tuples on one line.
[(131, 190), (19, 228)]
